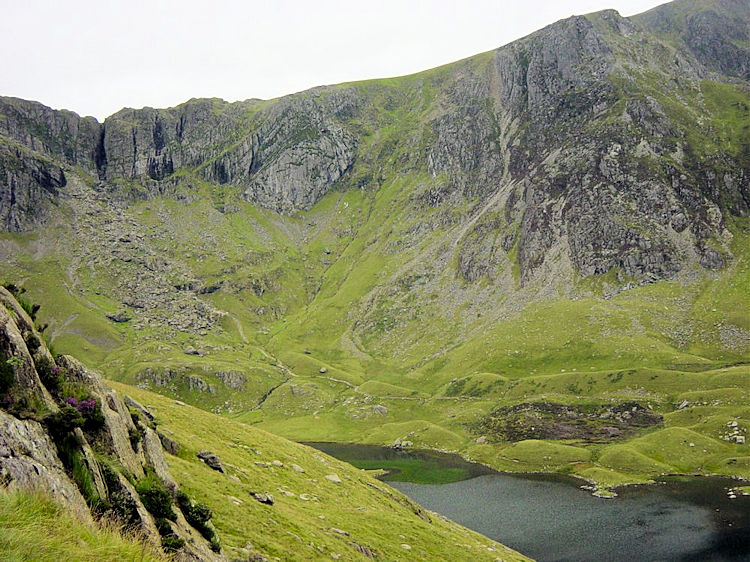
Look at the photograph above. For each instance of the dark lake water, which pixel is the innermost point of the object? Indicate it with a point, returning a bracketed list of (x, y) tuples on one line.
[(548, 517)]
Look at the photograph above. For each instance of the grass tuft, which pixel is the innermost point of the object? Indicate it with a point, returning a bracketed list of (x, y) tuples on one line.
[(34, 527)]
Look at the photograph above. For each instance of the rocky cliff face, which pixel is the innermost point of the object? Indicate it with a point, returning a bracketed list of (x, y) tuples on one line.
[(29, 183), (596, 171), (594, 143), (63, 431), (285, 157), (715, 33)]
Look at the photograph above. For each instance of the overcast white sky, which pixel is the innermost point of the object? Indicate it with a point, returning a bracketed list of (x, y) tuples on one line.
[(97, 56)]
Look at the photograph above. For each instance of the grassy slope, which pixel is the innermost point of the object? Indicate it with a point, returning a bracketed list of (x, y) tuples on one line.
[(34, 527), (307, 505), (353, 283), (565, 351)]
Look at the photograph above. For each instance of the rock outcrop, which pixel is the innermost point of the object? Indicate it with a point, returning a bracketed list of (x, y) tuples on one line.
[(211, 460), (118, 425), (28, 460), (17, 334), (55, 414)]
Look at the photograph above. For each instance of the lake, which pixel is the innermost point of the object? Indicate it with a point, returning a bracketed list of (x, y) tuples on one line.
[(549, 518)]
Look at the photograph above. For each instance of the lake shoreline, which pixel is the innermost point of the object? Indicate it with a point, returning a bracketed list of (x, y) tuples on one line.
[(551, 516), (586, 484)]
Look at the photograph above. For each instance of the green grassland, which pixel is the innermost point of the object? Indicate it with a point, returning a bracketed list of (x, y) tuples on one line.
[(34, 527), (350, 322), (435, 370), (312, 517), (577, 352)]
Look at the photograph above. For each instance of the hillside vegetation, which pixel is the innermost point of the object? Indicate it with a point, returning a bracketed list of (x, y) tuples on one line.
[(34, 527), (87, 473), (536, 257), (313, 515)]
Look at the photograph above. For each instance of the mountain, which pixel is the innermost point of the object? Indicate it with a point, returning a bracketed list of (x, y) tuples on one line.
[(502, 256)]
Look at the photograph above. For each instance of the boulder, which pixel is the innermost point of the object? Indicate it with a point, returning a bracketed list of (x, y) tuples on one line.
[(364, 550), (264, 498), (611, 432), (120, 317), (211, 460)]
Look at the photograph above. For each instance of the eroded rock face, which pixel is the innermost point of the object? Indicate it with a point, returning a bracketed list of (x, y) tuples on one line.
[(15, 328), (28, 185), (57, 134), (28, 460), (580, 192), (152, 143), (557, 71), (300, 151), (285, 158), (36, 143)]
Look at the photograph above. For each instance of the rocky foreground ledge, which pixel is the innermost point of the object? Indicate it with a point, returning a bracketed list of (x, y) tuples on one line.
[(66, 433)]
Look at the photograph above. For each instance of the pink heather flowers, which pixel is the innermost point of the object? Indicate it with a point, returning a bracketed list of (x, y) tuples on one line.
[(84, 406)]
